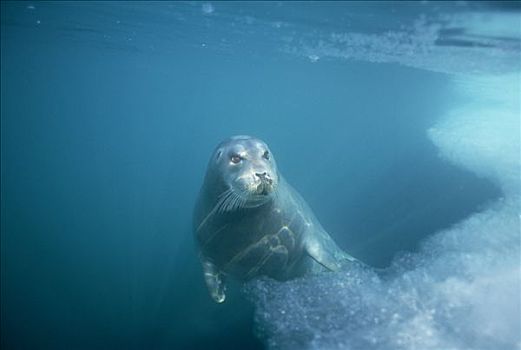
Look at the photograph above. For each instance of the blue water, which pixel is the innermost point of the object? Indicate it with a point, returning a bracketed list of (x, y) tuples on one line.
[(397, 122)]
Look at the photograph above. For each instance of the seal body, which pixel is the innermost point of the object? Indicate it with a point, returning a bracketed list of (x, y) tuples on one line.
[(249, 222)]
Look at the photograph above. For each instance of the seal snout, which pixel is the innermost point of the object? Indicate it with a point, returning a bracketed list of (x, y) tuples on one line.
[(266, 183), (264, 177)]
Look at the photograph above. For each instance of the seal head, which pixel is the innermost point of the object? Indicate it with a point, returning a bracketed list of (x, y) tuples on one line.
[(243, 173)]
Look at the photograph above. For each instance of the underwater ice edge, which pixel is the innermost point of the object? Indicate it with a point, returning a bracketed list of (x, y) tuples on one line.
[(462, 289)]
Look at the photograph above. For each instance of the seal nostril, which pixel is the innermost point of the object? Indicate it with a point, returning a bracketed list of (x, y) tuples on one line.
[(263, 175)]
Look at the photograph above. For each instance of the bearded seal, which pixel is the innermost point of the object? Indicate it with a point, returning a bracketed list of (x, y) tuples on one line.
[(249, 222)]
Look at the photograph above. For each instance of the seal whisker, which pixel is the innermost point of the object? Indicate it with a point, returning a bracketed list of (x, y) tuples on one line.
[(231, 205), (224, 198), (237, 202), (229, 201), (226, 202), (218, 206)]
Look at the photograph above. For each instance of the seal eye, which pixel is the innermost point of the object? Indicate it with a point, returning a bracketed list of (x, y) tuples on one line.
[(235, 158), (266, 155)]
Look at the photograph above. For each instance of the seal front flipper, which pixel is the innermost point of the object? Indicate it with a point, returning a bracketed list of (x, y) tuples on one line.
[(214, 280), (324, 251)]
